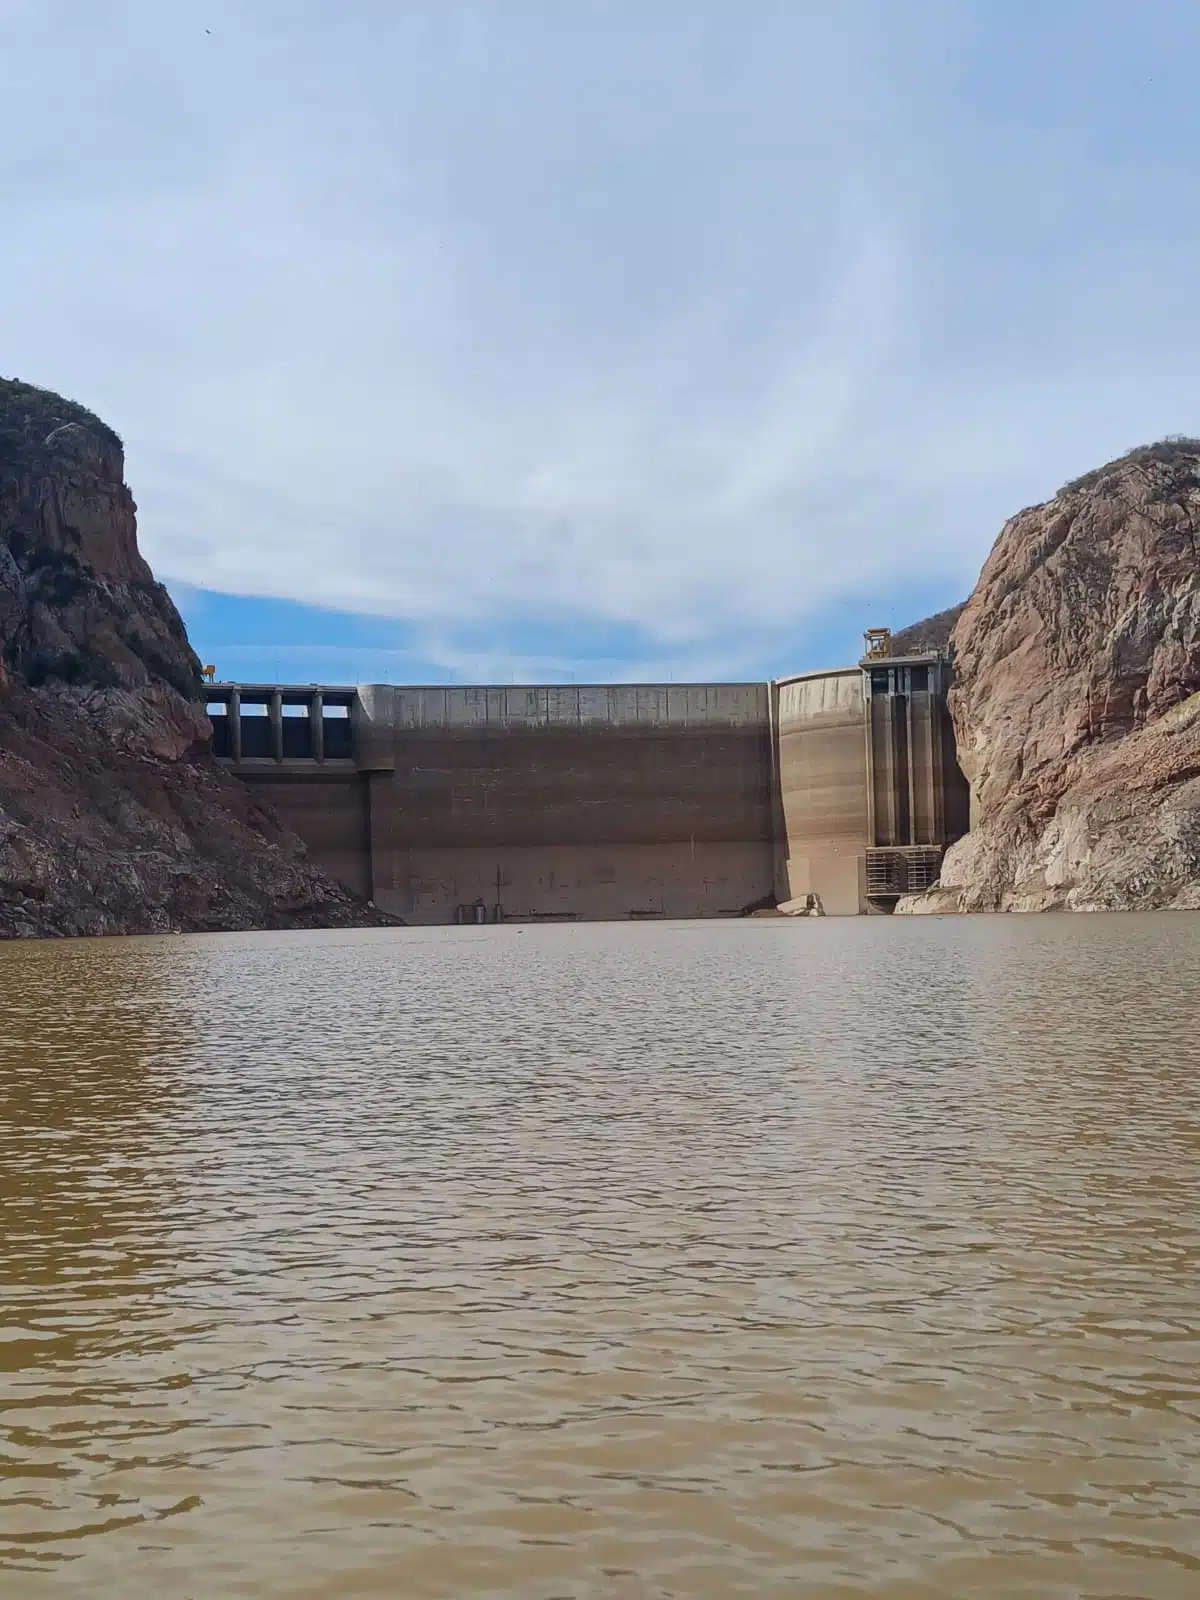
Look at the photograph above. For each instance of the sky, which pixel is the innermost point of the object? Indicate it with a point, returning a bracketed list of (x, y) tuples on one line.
[(552, 340)]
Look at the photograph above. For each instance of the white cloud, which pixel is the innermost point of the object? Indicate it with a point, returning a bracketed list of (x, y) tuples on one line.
[(687, 316)]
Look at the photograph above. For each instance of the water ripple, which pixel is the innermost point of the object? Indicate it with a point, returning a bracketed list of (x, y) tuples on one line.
[(695, 1260)]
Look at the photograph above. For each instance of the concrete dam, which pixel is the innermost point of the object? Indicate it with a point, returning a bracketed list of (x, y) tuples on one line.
[(443, 805)]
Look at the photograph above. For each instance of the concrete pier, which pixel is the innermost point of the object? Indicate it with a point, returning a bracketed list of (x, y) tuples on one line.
[(316, 724)]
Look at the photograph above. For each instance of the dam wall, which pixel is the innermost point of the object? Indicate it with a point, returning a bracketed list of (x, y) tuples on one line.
[(822, 744), (531, 803), (837, 789), (329, 809)]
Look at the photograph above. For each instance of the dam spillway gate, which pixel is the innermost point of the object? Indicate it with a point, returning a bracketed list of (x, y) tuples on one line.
[(556, 802), (268, 722)]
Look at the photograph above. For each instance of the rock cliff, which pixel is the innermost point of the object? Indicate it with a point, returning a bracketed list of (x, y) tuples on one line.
[(114, 817), (1076, 700)]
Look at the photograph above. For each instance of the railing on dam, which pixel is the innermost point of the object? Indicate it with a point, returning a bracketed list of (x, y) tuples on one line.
[(256, 722)]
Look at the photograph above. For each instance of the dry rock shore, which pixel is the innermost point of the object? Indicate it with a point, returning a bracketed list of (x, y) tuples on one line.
[(1076, 699), (114, 816)]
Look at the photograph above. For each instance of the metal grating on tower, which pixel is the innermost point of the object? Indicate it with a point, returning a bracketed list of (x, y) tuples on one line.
[(893, 872)]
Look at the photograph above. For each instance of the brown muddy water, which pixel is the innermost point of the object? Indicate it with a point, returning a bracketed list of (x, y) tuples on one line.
[(773, 1259)]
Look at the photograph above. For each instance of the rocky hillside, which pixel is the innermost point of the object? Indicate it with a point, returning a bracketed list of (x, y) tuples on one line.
[(114, 817), (1077, 699), (933, 633)]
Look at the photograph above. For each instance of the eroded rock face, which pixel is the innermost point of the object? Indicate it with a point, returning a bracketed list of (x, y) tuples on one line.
[(78, 604), (1076, 701), (114, 817)]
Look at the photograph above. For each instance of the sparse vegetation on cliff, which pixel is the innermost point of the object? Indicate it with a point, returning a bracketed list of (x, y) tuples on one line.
[(28, 414), (932, 633), (1175, 450)]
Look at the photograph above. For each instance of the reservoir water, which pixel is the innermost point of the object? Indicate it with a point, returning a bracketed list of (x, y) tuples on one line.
[(702, 1260)]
